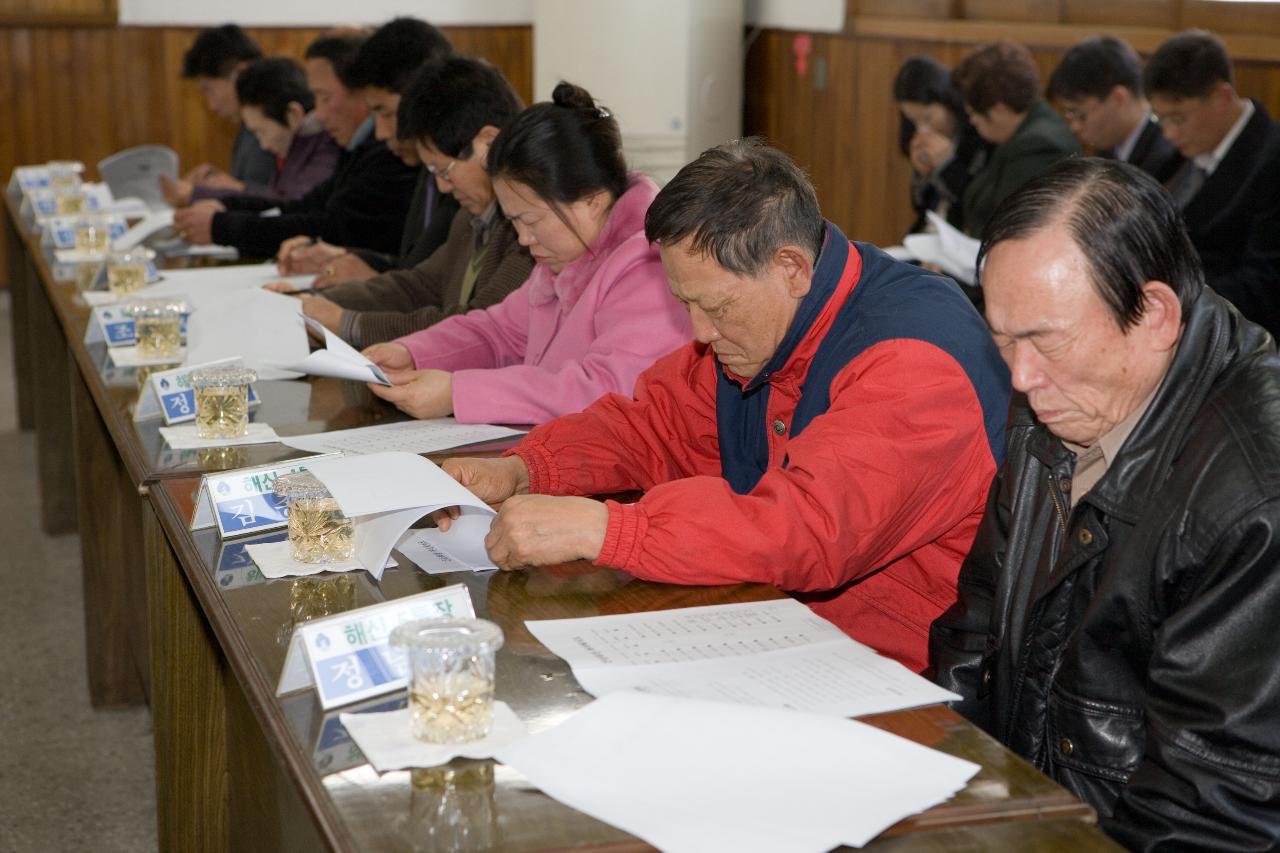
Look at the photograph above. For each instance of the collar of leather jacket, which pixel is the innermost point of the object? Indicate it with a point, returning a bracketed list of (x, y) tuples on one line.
[(1214, 335)]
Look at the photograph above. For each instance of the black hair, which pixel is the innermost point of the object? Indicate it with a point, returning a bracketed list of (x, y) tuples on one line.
[(925, 80), (217, 51), (271, 85), (338, 49), (1188, 65), (450, 100), (1123, 221), (564, 149), (739, 202), (391, 55), (1095, 66)]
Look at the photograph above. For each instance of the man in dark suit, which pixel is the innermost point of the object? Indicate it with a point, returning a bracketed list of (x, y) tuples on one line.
[(1229, 187), (383, 69), (365, 202), (1098, 87)]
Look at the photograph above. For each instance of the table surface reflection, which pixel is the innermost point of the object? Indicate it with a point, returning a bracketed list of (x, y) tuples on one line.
[(482, 805)]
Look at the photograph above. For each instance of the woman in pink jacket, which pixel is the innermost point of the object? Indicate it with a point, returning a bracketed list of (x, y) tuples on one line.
[(595, 312)]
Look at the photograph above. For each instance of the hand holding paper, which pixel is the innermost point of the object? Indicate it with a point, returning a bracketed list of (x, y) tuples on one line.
[(419, 393), (338, 360)]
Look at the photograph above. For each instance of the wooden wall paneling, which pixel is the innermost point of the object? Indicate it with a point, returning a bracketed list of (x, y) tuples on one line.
[(1252, 18), (1041, 11), (1164, 14), (934, 9), (15, 13)]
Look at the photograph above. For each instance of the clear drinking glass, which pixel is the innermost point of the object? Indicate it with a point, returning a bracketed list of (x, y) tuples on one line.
[(93, 235), (127, 269), (64, 174), (157, 324), (222, 401), (450, 677), (319, 532), (68, 201)]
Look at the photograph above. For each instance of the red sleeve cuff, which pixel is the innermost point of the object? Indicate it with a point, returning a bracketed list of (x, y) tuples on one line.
[(622, 536), (544, 476)]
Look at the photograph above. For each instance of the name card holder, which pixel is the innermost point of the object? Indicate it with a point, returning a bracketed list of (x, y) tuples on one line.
[(348, 657), (169, 394), (27, 178), (109, 323), (243, 501), (59, 234)]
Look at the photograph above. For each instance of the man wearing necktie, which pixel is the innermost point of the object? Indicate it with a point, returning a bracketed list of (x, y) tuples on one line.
[(1228, 190)]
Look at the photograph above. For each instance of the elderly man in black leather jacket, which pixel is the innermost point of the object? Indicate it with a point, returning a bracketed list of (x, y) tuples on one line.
[(1119, 615)]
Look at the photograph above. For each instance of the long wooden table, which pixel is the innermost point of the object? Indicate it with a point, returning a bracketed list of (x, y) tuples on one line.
[(284, 767), (180, 617), (96, 462)]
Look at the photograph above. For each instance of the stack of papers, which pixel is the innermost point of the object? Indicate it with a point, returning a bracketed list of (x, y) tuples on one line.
[(774, 653), (952, 251), (338, 359), (692, 775)]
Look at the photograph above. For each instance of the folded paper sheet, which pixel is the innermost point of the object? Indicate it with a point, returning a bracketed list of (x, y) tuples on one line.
[(955, 253), (775, 653), (693, 775), (425, 436), (385, 493), (338, 360)]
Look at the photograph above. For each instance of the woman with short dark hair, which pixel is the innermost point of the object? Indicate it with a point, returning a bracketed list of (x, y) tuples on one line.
[(1000, 84)]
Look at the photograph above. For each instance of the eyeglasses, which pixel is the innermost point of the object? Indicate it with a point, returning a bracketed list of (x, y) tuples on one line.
[(442, 174), (1079, 115)]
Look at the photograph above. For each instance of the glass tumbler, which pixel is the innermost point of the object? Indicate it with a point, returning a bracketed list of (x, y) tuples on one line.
[(451, 673), (319, 532), (157, 325), (93, 235), (222, 401), (127, 269)]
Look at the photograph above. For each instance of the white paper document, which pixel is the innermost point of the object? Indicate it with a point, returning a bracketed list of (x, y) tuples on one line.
[(275, 560), (338, 360), (425, 436), (128, 357), (148, 226), (387, 740), (689, 775), (185, 437), (951, 250), (774, 653), (385, 493)]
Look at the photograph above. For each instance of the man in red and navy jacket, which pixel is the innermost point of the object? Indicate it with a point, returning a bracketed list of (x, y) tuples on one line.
[(833, 430)]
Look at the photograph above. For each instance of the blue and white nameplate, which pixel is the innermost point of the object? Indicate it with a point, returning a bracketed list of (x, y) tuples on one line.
[(335, 751), (27, 178), (111, 324), (60, 233), (243, 501), (169, 394), (348, 657), (236, 567)]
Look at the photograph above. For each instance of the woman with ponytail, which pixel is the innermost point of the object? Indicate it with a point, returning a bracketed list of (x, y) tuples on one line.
[(594, 313)]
